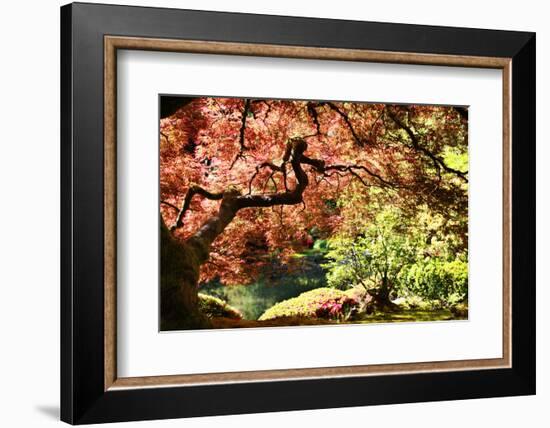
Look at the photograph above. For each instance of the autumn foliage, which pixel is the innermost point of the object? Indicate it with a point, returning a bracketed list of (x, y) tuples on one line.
[(211, 147)]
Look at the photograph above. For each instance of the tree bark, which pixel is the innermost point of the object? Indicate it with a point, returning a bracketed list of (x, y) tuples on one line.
[(180, 269), (178, 280)]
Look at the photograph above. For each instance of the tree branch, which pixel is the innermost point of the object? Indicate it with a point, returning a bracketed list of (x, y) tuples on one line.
[(314, 116), (233, 201), (170, 205), (345, 117), (242, 144), (193, 190), (295, 152), (438, 162), (317, 164), (273, 167), (243, 124), (352, 170)]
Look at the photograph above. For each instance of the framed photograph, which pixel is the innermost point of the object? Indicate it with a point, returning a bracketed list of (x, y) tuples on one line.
[(265, 213)]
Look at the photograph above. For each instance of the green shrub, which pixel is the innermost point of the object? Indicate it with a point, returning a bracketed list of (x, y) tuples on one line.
[(320, 245), (328, 303), (414, 303), (437, 279), (373, 258), (213, 307)]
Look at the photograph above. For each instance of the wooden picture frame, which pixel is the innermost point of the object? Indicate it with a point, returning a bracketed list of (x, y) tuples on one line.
[(91, 391)]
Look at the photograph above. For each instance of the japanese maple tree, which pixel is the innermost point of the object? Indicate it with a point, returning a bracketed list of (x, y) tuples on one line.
[(242, 179)]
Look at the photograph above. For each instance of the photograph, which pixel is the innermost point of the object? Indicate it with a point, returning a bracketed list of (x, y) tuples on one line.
[(291, 212)]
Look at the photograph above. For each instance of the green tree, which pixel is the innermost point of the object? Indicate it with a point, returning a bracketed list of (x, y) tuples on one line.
[(395, 254), (374, 258)]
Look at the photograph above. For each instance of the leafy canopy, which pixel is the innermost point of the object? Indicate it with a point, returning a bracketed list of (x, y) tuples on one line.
[(409, 156)]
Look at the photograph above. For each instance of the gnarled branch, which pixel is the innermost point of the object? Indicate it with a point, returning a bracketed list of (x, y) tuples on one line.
[(233, 201), (437, 161), (273, 167), (243, 124), (311, 110), (168, 204), (242, 144), (345, 117), (192, 191), (352, 170), (295, 153)]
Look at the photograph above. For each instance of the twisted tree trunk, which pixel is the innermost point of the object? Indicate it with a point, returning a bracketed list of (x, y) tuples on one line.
[(180, 269), (181, 260)]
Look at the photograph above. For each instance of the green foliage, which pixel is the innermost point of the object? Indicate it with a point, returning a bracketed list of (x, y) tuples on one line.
[(404, 253), (213, 307), (456, 159), (413, 303), (328, 303), (434, 278), (373, 258), (320, 245)]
